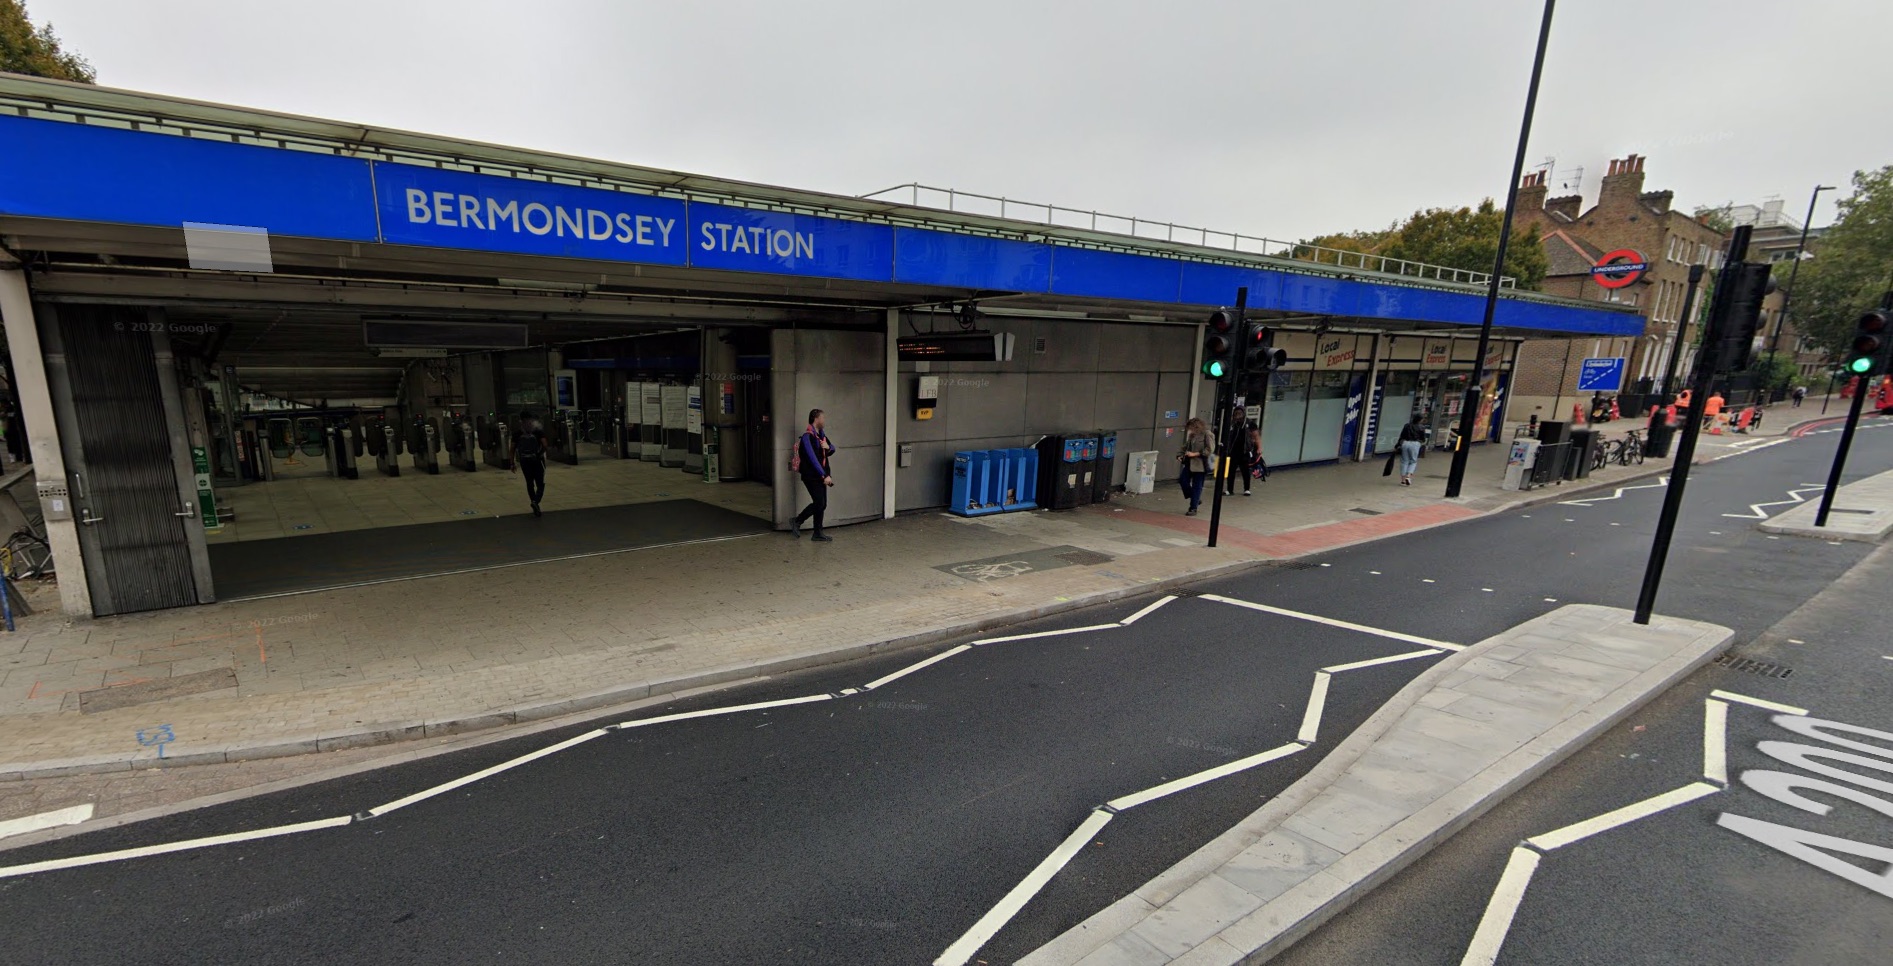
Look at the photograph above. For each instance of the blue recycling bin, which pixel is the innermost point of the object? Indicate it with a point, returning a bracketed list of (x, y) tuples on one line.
[(990, 485), (1022, 493)]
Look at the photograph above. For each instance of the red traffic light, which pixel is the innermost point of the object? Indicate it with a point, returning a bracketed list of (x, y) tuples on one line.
[(1872, 323), (1222, 320)]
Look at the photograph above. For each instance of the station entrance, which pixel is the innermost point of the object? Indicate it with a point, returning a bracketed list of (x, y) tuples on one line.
[(324, 450)]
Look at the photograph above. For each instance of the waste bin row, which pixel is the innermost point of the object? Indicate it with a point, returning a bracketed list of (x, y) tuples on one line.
[(1060, 473)]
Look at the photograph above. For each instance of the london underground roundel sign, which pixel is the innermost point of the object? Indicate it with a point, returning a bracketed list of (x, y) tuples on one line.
[(1619, 268)]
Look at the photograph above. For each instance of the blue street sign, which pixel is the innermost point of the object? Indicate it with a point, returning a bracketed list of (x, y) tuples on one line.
[(1602, 375)]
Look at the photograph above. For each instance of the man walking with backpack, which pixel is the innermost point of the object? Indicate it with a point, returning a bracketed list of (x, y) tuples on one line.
[(810, 459), (529, 457)]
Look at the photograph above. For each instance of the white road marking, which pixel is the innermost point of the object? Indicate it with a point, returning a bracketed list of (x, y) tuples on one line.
[(1660, 482), (1135, 799), (1559, 838), (1487, 589), (1317, 702), (1374, 572), (1427, 580), (426, 794), (911, 668), (1332, 622), (1159, 602), (1886, 657), (995, 919), (1324, 565), (1715, 737), (1038, 634), (146, 850), (1501, 908), (1757, 702), (1410, 655), (713, 712), (1794, 497), (53, 819), (1551, 600)]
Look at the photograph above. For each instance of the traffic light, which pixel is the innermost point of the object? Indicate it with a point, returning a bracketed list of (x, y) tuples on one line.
[(1863, 356), (1750, 284), (1259, 354), (1219, 344)]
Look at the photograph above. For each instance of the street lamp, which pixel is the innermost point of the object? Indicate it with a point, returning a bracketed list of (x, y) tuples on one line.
[(1781, 317)]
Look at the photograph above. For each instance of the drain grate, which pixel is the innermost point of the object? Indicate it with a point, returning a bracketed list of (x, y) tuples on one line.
[(1290, 564), (1732, 662), (1363, 511), (1085, 558)]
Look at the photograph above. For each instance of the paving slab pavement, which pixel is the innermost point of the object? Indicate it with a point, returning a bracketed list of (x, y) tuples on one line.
[(352, 668), (1457, 740), (1862, 511)]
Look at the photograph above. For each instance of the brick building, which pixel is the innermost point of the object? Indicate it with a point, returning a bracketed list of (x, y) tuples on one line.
[(1625, 216)]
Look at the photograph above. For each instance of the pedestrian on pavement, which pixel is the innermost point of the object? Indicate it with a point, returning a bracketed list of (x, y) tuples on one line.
[(529, 457), (1412, 441), (813, 453), (1800, 393), (1243, 455), (1197, 456)]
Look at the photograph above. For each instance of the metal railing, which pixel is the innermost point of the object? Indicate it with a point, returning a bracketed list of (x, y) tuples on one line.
[(1057, 216)]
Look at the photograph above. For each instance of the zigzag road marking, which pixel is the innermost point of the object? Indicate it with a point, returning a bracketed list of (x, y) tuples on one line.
[(1794, 497), (1661, 481)]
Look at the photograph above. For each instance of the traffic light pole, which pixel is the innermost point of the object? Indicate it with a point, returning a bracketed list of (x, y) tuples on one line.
[(1475, 391), (1682, 331), (1859, 403), (1701, 378), (1225, 393)]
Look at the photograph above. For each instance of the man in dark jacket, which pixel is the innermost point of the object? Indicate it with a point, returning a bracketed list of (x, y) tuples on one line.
[(814, 451), (529, 457)]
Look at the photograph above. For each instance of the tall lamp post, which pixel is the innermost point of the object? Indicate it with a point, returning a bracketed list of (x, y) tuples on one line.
[(1787, 295), (1475, 390)]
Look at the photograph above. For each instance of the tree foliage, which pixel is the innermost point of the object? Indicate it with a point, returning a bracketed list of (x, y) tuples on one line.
[(1852, 264), (25, 50), (1463, 238)]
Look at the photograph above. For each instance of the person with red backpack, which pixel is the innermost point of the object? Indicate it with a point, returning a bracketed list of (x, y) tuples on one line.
[(810, 459)]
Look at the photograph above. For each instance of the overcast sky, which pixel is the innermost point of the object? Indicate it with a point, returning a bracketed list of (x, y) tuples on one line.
[(1273, 118)]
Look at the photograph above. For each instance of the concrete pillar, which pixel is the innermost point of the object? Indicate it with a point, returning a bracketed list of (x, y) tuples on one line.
[(42, 433), (891, 451)]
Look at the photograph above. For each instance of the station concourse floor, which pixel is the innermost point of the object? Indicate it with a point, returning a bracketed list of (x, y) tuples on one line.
[(303, 500), (306, 531)]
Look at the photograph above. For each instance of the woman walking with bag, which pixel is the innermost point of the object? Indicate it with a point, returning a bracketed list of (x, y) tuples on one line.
[(1197, 455), (1412, 440)]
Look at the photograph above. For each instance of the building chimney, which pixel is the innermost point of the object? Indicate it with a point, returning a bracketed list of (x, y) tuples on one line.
[(1658, 201), (1623, 184), (1531, 193), (1567, 207)]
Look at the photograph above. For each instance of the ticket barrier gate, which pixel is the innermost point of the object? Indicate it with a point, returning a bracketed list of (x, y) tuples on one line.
[(461, 439), (424, 444), (496, 441), (385, 443), (344, 445), (565, 434)]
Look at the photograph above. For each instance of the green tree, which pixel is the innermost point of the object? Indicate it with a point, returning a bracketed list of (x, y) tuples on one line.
[(1851, 267), (24, 50), (1463, 238), (1717, 217)]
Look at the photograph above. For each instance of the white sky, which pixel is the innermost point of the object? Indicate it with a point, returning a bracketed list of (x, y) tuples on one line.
[(1268, 117)]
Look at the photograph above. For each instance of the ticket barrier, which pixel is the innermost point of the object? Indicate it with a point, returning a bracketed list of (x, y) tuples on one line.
[(460, 442), (424, 444), (564, 437), (385, 442), (496, 441), (344, 445), (596, 429)]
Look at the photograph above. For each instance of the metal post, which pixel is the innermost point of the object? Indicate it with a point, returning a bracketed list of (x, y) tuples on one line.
[(1224, 398), (1682, 331), (1474, 389), (1787, 295), (1829, 396), (1847, 431), (1700, 380)]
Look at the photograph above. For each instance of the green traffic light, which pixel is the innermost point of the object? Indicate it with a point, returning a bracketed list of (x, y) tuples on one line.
[(1860, 365), (1213, 369)]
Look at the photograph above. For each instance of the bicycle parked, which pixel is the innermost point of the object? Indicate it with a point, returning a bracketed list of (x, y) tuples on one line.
[(1628, 451)]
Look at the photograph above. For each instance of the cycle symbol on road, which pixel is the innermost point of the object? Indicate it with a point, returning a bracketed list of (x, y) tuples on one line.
[(983, 572)]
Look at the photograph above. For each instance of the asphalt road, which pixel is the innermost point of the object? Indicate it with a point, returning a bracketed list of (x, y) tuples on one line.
[(878, 827)]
